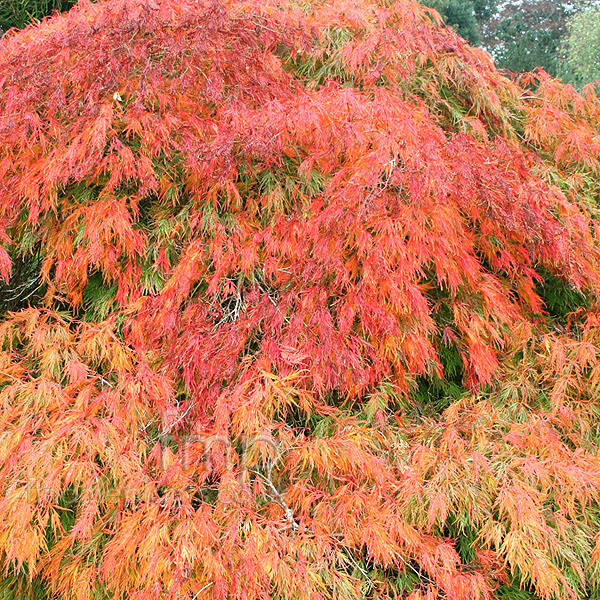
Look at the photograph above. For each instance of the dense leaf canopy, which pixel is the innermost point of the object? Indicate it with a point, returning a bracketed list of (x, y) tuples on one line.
[(300, 303)]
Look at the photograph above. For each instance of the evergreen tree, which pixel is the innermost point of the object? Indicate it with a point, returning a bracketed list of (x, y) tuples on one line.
[(465, 16)]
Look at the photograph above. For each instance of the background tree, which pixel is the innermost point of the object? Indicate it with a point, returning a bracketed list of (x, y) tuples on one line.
[(527, 34), (317, 314), (465, 16), (581, 47), (521, 35)]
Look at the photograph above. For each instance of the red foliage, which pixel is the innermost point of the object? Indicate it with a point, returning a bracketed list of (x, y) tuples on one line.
[(272, 222)]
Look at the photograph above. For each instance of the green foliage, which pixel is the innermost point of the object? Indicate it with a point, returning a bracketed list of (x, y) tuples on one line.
[(460, 14), (24, 286), (581, 63), (526, 34), (19, 13), (513, 591), (560, 300), (465, 16), (522, 35)]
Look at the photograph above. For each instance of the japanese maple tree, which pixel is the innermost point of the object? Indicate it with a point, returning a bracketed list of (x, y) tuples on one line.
[(300, 302)]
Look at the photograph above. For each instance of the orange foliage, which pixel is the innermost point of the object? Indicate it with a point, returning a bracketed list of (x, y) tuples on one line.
[(265, 235)]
